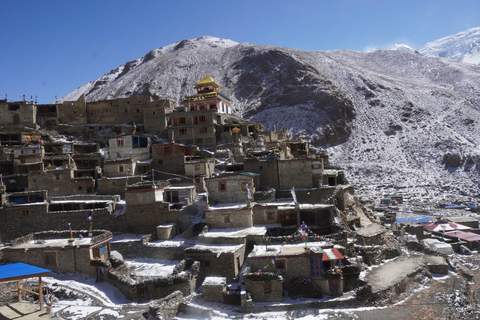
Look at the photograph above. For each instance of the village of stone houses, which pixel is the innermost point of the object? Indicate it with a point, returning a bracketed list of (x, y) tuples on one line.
[(138, 208)]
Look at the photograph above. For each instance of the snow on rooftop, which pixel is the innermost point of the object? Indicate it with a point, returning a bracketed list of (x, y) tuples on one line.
[(235, 232), (214, 281), (288, 249), (150, 267), (219, 248), (126, 237), (55, 243), (177, 241)]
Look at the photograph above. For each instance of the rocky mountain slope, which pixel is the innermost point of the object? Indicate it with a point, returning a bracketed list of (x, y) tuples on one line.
[(397, 121)]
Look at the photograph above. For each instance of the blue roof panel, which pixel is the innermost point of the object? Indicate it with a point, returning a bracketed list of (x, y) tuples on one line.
[(19, 270), (415, 219)]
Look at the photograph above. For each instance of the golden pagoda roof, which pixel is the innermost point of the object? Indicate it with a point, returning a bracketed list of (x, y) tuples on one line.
[(207, 80)]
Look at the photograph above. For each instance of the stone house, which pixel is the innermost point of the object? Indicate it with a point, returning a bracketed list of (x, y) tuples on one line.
[(293, 261), (88, 160), (205, 119), (18, 113), (373, 234), (120, 168), (200, 168), (138, 109), (30, 211), (61, 182), (147, 208), (221, 260), (214, 289), (171, 157), (132, 146), (232, 188), (299, 173), (180, 195), (28, 159), (182, 279), (115, 185), (56, 250), (224, 216), (264, 286), (47, 114)]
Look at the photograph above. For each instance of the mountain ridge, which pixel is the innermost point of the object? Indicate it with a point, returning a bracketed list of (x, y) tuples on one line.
[(389, 117)]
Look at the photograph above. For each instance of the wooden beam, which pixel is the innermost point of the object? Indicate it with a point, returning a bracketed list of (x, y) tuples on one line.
[(19, 291), (40, 292)]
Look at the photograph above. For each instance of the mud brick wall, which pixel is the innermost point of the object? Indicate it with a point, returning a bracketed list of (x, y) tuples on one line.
[(230, 218), (265, 291)]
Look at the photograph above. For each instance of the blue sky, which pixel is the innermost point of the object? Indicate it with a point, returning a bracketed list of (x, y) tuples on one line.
[(53, 47)]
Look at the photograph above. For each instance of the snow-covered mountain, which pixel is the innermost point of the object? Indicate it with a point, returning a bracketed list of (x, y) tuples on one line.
[(463, 46), (401, 47), (397, 121)]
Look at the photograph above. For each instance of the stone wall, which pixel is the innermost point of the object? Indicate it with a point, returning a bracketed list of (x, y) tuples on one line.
[(39, 218), (73, 112), (165, 308), (268, 170), (265, 291), (295, 173), (295, 266), (225, 264), (229, 188), (107, 186), (230, 217), (171, 161), (18, 113)]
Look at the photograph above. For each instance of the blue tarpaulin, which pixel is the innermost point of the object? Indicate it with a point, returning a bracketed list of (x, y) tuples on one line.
[(16, 270), (415, 219)]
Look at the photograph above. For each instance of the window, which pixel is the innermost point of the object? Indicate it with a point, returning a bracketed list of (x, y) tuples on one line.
[(25, 212), (120, 169), (57, 176), (280, 265), (203, 129), (197, 166), (226, 219), (50, 259), (167, 150), (181, 120), (182, 131), (120, 142), (316, 267), (222, 186), (267, 288), (142, 293), (160, 162), (206, 263), (89, 188), (202, 118), (80, 188), (271, 216)]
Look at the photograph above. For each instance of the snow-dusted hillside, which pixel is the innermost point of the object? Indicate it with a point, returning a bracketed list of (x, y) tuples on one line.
[(390, 118), (463, 46)]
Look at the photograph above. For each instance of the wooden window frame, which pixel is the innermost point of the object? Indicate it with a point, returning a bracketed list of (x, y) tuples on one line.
[(224, 184), (120, 142)]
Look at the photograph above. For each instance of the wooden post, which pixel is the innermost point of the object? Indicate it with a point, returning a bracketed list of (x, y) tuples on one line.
[(19, 291), (40, 292)]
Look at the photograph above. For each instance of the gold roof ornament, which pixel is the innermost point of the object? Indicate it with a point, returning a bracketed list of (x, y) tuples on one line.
[(236, 130), (207, 80)]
